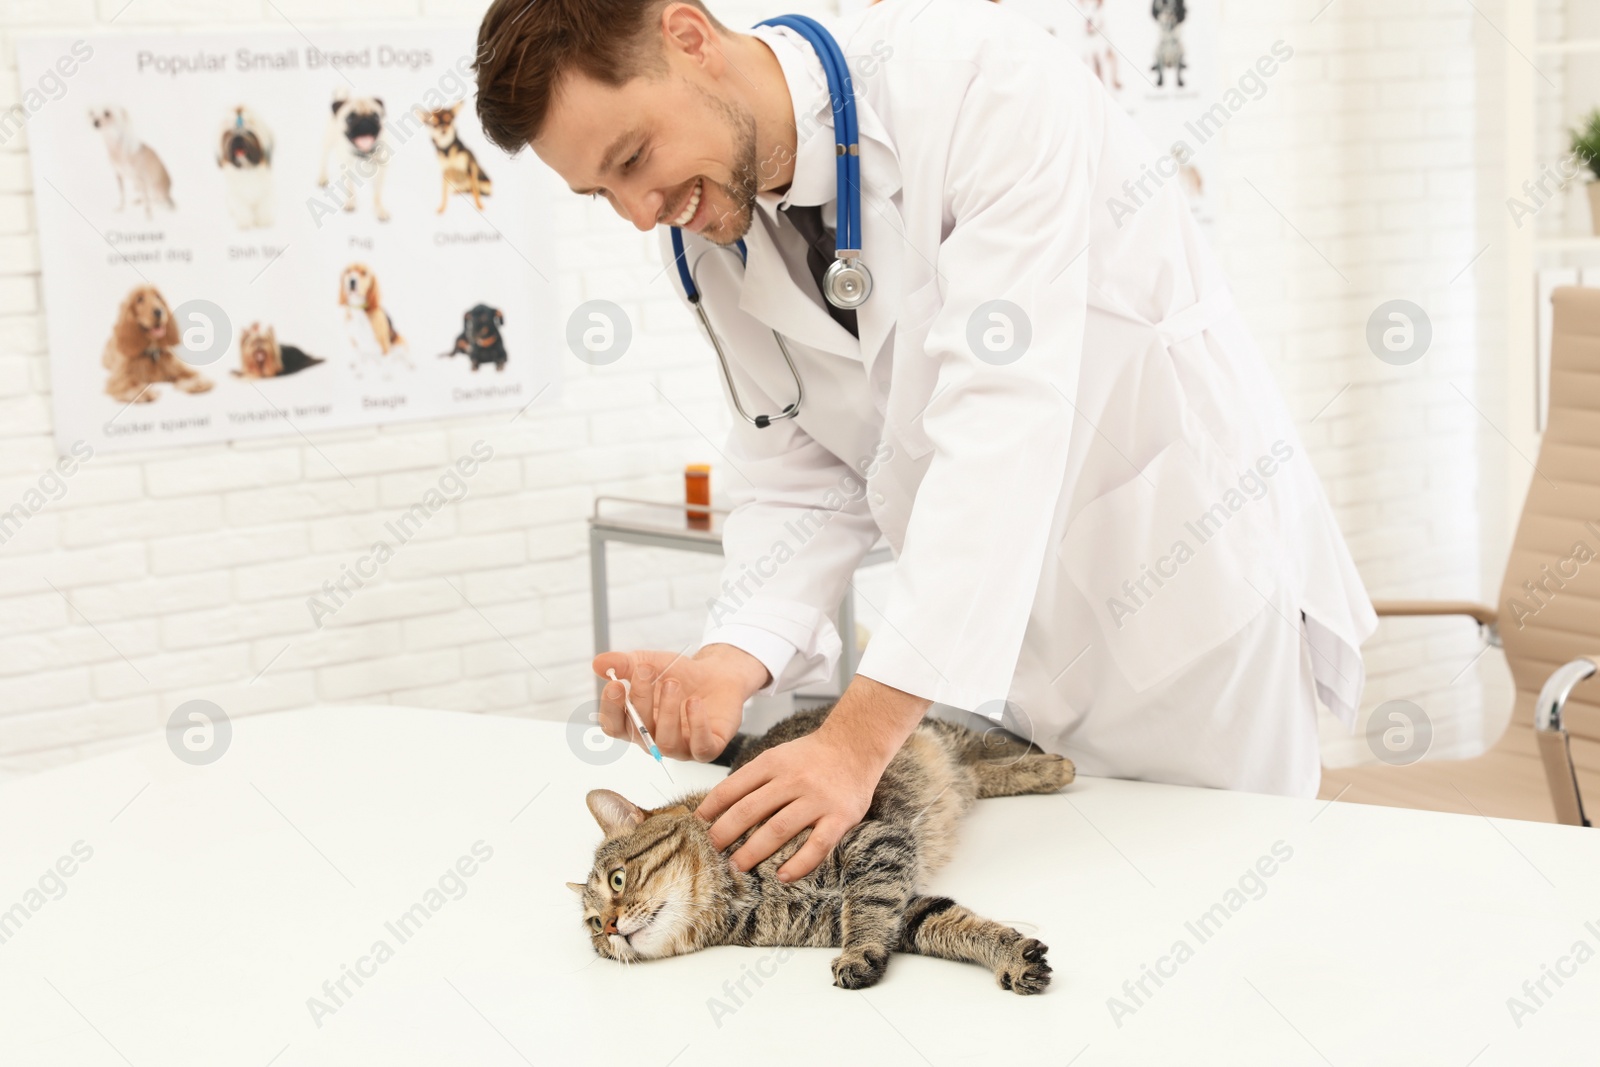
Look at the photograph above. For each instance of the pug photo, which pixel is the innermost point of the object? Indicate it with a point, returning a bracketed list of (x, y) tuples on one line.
[(244, 155), (357, 141)]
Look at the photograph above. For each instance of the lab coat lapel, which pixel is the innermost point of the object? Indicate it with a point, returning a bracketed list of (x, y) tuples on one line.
[(882, 233), (771, 293)]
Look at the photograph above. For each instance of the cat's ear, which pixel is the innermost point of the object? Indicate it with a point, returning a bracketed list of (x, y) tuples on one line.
[(576, 887), (615, 813)]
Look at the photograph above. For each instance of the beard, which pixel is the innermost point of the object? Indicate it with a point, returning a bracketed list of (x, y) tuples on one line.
[(731, 225)]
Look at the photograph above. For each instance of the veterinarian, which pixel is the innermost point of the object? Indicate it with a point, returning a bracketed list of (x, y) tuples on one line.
[(1047, 403)]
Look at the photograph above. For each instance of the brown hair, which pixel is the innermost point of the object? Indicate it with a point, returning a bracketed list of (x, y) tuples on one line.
[(526, 46)]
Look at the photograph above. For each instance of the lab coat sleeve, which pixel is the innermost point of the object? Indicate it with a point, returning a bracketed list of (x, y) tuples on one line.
[(1018, 186), (798, 528), (797, 531)]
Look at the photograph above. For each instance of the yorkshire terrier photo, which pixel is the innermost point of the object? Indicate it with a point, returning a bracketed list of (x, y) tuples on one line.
[(260, 355)]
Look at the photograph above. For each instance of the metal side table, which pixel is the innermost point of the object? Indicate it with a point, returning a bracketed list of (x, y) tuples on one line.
[(667, 525)]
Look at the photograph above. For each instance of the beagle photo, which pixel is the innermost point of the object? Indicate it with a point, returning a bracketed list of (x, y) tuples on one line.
[(139, 353), (357, 141), (244, 154), (136, 164), (371, 332)]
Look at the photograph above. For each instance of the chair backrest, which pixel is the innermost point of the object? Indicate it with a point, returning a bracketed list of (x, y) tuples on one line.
[(1550, 598)]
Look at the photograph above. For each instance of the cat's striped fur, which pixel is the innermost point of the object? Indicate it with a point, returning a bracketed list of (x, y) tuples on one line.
[(659, 888)]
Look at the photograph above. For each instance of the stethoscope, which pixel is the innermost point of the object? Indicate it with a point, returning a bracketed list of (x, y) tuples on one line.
[(847, 283)]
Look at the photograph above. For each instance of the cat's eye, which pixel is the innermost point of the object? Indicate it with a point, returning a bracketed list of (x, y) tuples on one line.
[(594, 923), (618, 880)]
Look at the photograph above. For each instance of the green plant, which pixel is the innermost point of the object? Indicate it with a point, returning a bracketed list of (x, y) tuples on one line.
[(1586, 141)]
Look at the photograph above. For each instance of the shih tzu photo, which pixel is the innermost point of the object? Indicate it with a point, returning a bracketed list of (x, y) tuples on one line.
[(244, 154)]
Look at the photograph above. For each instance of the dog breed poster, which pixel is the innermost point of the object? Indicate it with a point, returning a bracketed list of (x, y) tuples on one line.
[(1158, 60), (253, 233)]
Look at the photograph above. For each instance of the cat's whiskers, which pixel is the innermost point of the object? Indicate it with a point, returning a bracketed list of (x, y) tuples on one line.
[(591, 963)]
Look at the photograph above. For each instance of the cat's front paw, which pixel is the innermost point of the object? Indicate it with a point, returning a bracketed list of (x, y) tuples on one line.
[(1061, 770), (858, 968), (1025, 970)]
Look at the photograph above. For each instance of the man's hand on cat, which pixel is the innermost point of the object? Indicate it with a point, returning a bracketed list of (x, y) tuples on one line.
[(692, 706), (824, 780)]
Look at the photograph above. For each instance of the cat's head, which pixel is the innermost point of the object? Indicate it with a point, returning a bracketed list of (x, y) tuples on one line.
[(650, 890)]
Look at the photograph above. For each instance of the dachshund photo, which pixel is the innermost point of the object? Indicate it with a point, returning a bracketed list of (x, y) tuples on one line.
[(371, 331), (357, 139), (139, 353), (1169, 15), (458, 168), (136, 164), (480, 338), (244, 154), (260, 355)]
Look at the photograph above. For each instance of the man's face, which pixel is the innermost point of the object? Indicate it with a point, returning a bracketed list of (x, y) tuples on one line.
[(664, 149)]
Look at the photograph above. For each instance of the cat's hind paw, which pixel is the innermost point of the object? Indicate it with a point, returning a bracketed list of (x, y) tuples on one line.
[(1025, 970), (858, 968)]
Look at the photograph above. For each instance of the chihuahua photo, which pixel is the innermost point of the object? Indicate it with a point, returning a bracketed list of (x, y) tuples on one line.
[(459, 171)]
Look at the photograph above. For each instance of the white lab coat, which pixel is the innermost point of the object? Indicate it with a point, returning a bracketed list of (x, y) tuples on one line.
[(1027, 502)]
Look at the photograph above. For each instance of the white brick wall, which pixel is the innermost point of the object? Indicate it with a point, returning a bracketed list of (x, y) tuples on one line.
[(162, 577), (1379, 144)]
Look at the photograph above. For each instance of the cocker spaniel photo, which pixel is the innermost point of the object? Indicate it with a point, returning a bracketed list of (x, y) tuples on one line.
[(139, 353)]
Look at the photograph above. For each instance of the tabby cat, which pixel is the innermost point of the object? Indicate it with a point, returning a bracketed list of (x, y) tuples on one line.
[(659, 888)]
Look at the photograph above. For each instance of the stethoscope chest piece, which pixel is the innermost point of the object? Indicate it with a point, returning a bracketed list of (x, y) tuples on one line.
[(847, 283)]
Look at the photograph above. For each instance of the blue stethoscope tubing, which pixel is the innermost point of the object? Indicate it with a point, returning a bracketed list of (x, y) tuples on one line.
[(847, 283)]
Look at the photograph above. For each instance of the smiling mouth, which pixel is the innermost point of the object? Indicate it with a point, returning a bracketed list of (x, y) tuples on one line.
[(687, 215)]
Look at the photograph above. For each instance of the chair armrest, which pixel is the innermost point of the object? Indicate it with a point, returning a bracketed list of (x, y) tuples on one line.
[(1554, 748), (1559, 686), (1485, 615)]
